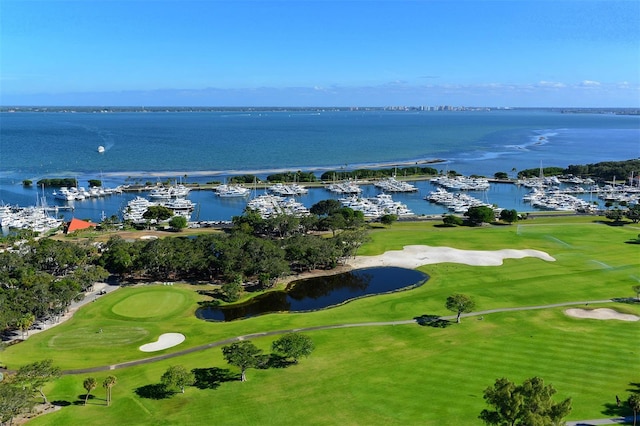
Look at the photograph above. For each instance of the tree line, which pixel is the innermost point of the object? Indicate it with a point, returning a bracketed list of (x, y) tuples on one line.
[(254, 249), (41, 278), (378, 173), (603, 171), (331, 175)]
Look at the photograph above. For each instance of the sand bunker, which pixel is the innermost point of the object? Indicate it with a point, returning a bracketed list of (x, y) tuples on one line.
[(165, 341), (415, 256), (601, 314)]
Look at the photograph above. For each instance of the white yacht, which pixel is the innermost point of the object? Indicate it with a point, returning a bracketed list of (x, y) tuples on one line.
[(64, 194), (377, 206), (393, 185), (269, 205), (346, 187), (288, 189), (229, 190)]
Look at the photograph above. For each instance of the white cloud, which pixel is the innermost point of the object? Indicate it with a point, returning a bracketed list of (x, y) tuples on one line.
[(590, 83), (552, 84)]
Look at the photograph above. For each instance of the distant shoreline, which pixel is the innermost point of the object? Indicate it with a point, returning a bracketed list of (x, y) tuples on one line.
[(407, 108), (205, 173)]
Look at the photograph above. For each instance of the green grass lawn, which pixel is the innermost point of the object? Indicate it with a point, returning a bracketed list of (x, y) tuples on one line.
[(402, 374)]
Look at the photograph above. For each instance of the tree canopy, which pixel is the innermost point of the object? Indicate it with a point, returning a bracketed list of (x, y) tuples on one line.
[(480, 214), (459, 303), (293, 345), (243, 355), (529, 404), (108, 384), (35, 375), (158, 213), (14, 400), (89, 384), (177, 376), (509, 216), (633, 213), (634, 403), (178, 222)]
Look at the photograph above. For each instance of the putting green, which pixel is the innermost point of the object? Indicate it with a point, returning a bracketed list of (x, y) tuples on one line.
[(156, 302)]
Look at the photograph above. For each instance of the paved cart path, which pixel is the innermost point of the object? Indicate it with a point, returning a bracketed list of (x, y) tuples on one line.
[(318, 327), (610, 421)]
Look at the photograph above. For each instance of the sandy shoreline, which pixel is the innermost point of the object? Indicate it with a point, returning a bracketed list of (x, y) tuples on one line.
[(204, 173)]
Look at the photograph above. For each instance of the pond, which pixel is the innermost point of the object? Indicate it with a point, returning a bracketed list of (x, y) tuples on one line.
[(320, 292)]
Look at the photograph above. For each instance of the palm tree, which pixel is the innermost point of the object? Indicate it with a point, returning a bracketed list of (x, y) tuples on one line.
[(25, 322), (634, 404), (89, 384), (108, 383)]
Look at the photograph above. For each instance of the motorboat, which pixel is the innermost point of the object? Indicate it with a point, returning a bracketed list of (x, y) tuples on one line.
[(225, 190)]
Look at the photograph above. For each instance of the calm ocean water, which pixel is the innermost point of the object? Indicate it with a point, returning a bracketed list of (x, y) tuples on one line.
[(209, 146)]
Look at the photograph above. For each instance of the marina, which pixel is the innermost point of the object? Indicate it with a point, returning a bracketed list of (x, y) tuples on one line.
[(34, 218), (429, 199)]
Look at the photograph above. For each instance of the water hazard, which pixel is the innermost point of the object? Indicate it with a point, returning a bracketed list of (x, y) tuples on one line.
[(320, 292)]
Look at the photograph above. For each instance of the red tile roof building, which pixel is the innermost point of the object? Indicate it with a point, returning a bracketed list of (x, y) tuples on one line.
[(77, 224)]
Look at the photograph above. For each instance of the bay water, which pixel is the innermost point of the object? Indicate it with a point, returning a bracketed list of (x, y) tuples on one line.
[(212, 146)]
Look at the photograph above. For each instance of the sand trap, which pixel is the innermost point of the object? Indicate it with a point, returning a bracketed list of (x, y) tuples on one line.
[(165, 341), (601, 314), (415, 256)]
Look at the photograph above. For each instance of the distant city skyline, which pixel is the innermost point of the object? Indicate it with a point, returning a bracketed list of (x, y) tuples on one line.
[(517, 53)]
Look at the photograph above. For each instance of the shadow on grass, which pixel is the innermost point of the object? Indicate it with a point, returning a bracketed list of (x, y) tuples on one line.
[(611, 409), (621, 407), (628, 300), (616, 222), (81, 398), (276, 361), (432, 321), (60, 403), (634, 388), (216, 295), (211, 378), (155, 391)]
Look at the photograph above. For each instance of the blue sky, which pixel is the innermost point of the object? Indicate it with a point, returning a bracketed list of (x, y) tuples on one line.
[(546, 53)]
